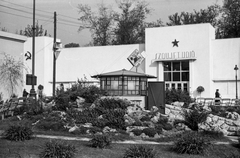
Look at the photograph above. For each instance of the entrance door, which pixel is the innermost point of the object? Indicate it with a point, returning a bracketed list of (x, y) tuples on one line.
[(156, 95)]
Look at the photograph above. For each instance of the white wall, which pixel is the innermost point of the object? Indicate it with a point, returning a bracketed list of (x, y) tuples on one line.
[(75, 63), (43, 62), (226, 54), (13, 45), (195, 38)]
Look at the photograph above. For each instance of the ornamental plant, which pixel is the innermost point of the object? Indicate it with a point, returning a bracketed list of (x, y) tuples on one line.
[(101, 141), (191, 143), (193, 117), (139, 152), (58, 150), (18, 133), (200, 89)]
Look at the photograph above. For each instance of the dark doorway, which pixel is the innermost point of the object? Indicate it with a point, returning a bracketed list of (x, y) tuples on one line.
[(156, 95)]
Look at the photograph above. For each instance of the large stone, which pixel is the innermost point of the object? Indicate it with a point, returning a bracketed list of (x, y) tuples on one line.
[(229, 122), (128, 120), (80, 101), (232, 129), (237, 123), (215, 119), (220, 122), (224, 126), (167, 111), (208, 120), (74, 128)]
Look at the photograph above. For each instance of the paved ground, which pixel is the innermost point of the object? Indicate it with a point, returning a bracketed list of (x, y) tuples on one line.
[(232, 138)]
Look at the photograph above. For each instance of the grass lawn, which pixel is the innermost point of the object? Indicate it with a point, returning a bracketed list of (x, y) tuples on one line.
[(32, 148)]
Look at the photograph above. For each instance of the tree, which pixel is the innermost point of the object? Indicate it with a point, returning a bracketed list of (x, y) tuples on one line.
[(130, 22), (109, 27), (229, 24), (3, 29), (38, 32), (11, 73), (209, 15), (69, 45), (100, 24)]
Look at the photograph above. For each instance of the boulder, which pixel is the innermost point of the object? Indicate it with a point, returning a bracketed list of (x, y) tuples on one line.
[(74, 128)]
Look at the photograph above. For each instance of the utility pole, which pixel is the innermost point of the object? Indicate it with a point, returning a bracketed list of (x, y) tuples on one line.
[(54, 53), (32, 91)]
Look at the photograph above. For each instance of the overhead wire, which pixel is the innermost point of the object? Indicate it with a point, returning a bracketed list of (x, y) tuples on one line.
[(41, 15)]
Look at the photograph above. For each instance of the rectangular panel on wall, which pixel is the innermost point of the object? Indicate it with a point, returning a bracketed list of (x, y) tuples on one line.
[(156, 95)]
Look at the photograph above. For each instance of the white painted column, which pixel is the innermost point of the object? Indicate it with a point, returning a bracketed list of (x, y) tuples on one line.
[(160, 71)]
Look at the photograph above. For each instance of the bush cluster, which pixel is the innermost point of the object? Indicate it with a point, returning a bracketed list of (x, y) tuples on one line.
[(163, 123), (139, 152), (58, 150), (89, 93), (149, 131), (18, 133), (107, 112), (52, 122), (193, 117), (101, 141), (191, 143), (137, 132), (177, 95), (212, 135)]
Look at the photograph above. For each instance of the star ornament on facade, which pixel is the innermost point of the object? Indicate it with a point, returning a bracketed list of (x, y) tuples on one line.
[(175, 43)]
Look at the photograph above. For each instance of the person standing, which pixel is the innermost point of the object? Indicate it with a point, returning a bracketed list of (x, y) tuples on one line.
[(25, 93), (217, 97)]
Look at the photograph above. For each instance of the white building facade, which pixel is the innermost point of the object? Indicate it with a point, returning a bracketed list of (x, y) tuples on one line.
[(184, 57)]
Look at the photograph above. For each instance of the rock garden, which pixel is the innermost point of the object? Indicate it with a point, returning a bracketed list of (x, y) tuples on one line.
[(88, 112)]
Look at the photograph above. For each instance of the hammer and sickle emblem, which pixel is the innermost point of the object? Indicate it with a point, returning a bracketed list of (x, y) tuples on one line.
[(28, 55)]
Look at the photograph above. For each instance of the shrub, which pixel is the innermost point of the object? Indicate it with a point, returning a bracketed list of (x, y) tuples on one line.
[(112, 103), (137, 123), (92, 93), (191, 143), (212, 135), (139, 152), (101, 141), (62, 102), (145, 118), (163, 123), (115, 118), (177, 95), (149, 132), (52, 122), (167, 126), (95, 129), (18, 133), (158, 128), (200, 89), (193, 117), (58, 150), (137, 132)]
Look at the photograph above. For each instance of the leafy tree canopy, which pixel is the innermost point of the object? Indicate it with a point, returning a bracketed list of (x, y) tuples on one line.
[(39, 31)]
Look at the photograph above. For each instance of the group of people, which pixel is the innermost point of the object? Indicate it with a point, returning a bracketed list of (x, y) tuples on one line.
[(39, 92)]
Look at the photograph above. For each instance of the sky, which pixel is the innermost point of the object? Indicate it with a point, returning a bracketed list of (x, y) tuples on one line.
[(15, 15)]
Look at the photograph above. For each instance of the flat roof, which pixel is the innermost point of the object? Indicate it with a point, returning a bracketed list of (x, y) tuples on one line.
[(12, 37)]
